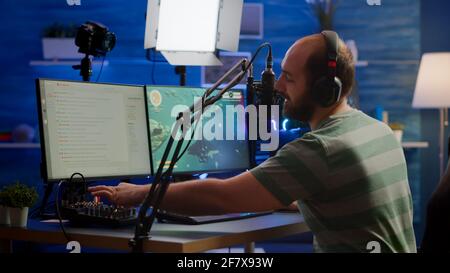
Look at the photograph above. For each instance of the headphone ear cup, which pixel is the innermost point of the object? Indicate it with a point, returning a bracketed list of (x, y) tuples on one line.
[(327, 92)]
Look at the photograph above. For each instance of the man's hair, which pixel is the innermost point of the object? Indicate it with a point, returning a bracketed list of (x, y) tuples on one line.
[(345, 69)]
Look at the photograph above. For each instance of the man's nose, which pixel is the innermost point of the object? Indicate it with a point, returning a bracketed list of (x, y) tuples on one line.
[(279, 86)]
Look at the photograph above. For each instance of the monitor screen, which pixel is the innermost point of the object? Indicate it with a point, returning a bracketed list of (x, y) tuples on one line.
[(252, 23), (210, 74), (98, 130), (206, 153)]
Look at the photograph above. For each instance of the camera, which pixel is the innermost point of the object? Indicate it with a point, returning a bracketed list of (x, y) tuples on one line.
[(94, 39)]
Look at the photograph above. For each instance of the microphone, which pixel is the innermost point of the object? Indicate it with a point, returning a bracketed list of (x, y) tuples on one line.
[(268, 82), (268, 88)]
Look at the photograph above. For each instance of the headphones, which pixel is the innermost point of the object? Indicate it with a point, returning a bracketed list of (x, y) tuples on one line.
[(327, 90)]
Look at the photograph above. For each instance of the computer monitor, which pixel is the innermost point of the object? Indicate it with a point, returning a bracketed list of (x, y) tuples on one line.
[(98, 130), (252, 23), (210, 74), (202, 156)]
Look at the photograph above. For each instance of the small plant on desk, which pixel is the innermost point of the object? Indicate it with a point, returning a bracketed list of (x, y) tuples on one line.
[(16, 199)]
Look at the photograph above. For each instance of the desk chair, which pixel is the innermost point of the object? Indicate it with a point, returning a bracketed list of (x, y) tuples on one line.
[(436, 238)]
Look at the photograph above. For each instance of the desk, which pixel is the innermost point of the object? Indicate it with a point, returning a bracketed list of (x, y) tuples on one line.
[(165, 237)]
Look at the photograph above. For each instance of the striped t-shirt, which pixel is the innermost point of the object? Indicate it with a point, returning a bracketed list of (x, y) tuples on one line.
[(350, 180)]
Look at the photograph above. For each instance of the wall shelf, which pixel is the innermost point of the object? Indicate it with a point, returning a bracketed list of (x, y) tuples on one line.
[(362, 63), (417, 145), (108, 61), (365, 63), (63, 62), (20, 146)]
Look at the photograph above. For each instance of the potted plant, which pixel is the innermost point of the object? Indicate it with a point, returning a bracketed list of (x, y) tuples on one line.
[(397, 128), (58, 42), (4, 210), (19, 198), (324, 11)]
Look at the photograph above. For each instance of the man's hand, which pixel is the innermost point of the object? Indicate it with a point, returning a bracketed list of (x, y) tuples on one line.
[(125, 194)]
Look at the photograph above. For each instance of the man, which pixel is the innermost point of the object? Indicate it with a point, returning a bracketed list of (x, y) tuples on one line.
[(348, 174)]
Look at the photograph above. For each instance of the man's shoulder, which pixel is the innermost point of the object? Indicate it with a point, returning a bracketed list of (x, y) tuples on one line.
[(348, 130), (347, 123), (307, 145)]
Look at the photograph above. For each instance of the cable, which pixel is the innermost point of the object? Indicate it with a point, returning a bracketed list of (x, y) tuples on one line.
[(101, 69), (153, 67), (153, 60), (269, 57), (187, 145), (58, 210), (190, 140)]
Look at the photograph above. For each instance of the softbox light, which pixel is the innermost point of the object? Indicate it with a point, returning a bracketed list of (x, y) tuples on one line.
[(189, 32)]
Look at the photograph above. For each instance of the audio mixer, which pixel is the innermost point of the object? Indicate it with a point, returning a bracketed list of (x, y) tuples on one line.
[(98, 213)]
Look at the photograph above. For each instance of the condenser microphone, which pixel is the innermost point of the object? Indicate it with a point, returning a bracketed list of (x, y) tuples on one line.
[(268, 89), (268, 82)]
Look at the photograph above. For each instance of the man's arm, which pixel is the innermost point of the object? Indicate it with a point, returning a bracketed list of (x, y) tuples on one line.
[(242, 193)]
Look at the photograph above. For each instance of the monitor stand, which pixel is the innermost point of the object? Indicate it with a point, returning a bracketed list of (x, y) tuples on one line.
[(48, 186)]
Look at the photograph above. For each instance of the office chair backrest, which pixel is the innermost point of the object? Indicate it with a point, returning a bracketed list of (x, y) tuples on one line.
[(436, 238)]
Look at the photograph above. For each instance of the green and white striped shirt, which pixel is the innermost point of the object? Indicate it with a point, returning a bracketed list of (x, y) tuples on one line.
[(350, 179)]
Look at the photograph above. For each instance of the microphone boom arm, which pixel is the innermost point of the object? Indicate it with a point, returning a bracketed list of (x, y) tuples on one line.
[(161, 182)]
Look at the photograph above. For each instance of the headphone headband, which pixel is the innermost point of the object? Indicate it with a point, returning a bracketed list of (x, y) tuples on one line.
[(327, 89), (332, 40)]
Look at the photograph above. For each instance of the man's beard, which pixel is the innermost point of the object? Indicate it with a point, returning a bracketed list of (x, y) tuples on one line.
[(302, 111)]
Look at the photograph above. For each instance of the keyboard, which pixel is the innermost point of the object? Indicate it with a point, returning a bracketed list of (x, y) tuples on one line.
[(175, 218)]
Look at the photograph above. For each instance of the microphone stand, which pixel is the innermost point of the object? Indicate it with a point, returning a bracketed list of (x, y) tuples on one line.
[(162, 179), (251, 89)]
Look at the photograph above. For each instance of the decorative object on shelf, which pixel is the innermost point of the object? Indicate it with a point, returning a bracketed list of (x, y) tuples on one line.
[(397, 128), (381, 114), (58, 42), (16, 199), (324, 11), (5, 136), (23, 133)]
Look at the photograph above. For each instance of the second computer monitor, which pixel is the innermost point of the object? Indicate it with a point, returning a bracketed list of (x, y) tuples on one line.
[(206, 153)]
